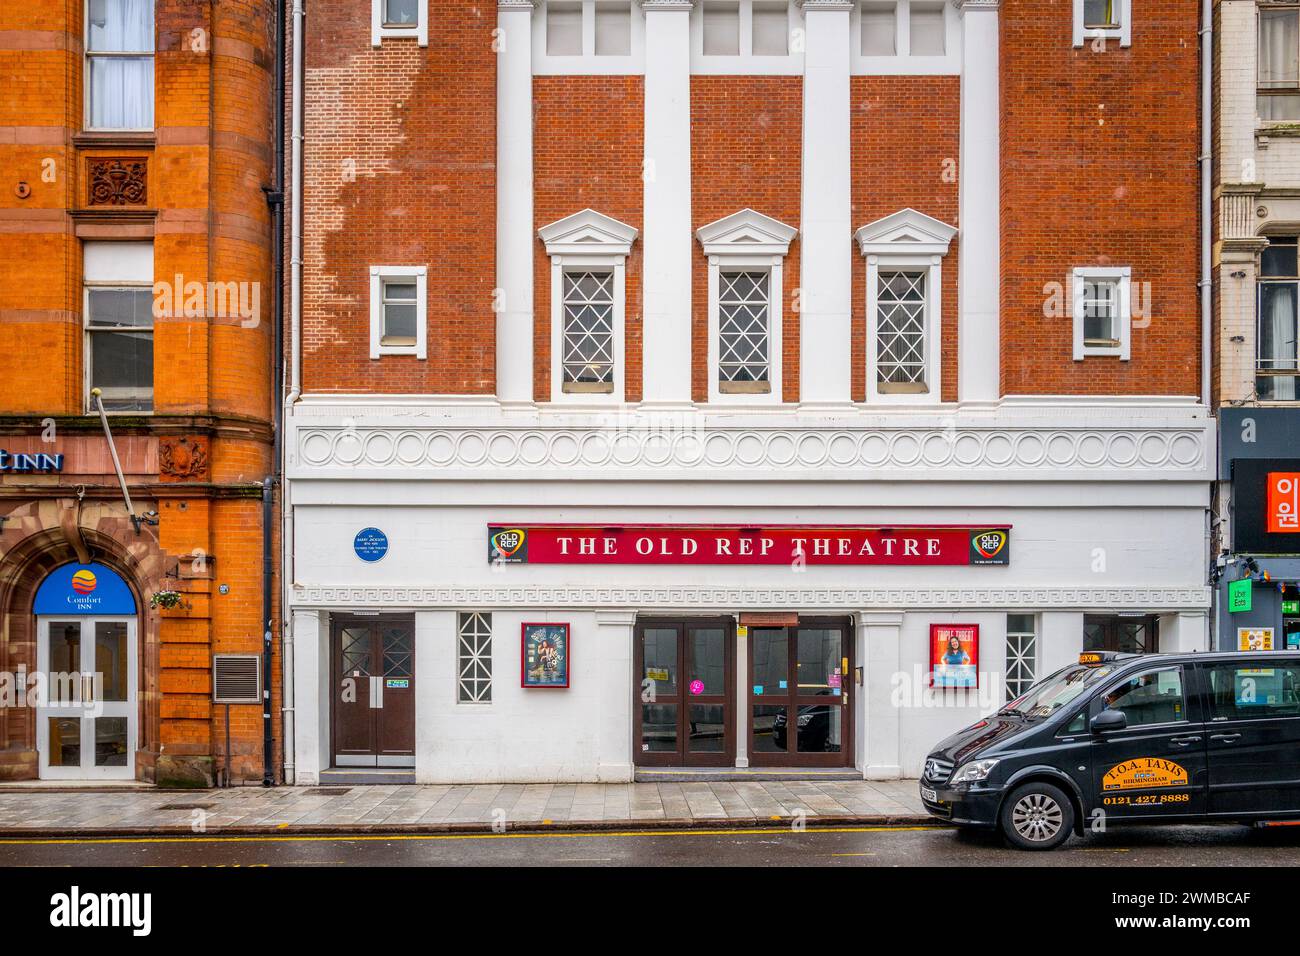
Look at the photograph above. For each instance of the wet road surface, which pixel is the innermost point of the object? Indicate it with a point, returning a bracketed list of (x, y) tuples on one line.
[(1181, 846)]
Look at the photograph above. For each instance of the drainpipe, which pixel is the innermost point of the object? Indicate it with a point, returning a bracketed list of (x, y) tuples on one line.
[(1206, 286), (295, 385), (275, 199), (1207, 209)]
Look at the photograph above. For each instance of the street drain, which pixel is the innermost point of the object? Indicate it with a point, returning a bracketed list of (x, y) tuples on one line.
[(187, 806), (328, 791)]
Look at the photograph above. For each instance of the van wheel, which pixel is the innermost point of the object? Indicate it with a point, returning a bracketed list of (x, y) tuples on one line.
[(1037, 816)]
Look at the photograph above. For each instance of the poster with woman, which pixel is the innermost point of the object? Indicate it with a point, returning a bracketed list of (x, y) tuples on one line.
[(954, 655), (545, 655)]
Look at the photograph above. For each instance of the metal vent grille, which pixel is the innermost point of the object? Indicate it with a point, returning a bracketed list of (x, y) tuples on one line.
[(236, 679)]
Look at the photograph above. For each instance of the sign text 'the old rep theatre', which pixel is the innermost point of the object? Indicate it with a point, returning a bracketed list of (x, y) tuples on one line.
[(939, 545)]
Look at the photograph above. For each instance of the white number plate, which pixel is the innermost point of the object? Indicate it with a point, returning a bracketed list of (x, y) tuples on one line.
[(929, 794)]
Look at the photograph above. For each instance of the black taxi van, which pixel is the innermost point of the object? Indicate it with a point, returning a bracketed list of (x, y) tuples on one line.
[(1128, 738)]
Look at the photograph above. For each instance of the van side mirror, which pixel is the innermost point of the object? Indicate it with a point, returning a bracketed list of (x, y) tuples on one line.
[(1107, 721)]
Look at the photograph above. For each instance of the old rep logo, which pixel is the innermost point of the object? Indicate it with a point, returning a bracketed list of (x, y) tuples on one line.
[(508, 542), (1142, 773), (83, 582), (990, 543)]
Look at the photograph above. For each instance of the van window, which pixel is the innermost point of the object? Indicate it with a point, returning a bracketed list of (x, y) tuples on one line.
[(1239, 692), (1153, 697)]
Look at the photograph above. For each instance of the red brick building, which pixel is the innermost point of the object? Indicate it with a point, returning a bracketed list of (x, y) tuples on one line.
[(669, 272), (136, 141)]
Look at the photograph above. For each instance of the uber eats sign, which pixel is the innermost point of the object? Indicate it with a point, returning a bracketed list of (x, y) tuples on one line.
[(1239, 596)]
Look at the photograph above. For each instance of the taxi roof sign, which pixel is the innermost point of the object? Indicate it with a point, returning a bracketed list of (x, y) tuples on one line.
[(1097, 657)]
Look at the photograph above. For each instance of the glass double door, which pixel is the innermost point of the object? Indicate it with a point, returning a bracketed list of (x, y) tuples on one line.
[(683, 715), (86, 713), (373, 663), (799, 682)]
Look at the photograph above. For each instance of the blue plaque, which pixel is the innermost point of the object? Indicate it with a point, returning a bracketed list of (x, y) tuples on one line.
[(370, 544)]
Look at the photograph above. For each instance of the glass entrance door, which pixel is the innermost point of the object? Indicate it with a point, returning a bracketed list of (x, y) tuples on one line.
[(683, 711), (373, 718), (86, 721), (799, 712)]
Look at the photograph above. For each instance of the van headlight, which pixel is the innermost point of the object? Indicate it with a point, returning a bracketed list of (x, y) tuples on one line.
[(973, 772)]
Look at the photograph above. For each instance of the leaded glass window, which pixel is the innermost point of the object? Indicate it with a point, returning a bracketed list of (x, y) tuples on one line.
[(1022, 654), (474, 657), (589, 331), (901, 332), (744, 330)]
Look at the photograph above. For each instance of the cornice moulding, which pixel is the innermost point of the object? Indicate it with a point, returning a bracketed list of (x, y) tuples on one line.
[(670, 598)]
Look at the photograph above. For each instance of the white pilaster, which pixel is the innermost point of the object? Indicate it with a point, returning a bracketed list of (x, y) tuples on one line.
[(666, 254), (311, 703), (514, 276), (979, 285), (613, 647), (880, 637), (826, 229)]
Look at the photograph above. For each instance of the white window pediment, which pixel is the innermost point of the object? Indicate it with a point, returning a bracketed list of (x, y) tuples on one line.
[(588, 253), (746, 233), (906, 232), (587, 233)]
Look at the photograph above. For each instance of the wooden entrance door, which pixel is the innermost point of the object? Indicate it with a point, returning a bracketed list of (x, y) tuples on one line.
[(373, 667), (686, 685), (799, 713)]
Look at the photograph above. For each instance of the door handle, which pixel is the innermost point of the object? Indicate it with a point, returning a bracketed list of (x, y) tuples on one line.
[(1226, 738), (1184, 741)]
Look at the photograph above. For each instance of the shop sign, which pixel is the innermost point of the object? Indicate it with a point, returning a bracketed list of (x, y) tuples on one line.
[(1239, 595), (937, 546), (545, 655), (1266, 506), (1283, 514), (21, 462), (370, 545), (1254, 638), (84, 589), (954, 655)]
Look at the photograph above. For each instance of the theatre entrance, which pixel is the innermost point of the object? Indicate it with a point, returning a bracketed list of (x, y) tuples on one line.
[(799, 682), (685, 694)]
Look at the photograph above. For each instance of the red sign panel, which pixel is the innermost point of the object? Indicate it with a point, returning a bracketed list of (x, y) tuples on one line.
[(730, 545), (1283, 516)]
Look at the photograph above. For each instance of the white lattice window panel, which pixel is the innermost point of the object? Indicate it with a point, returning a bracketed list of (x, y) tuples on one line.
[(474, 658), (746, 253), (1022, 654), (743, 328), (904, 254), (588, 362), (588, 253), (900, 332)]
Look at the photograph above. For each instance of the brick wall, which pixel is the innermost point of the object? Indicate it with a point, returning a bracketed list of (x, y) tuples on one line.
[(588, 145), (906, 143), (1099, 154), (746, 138), (399, 159)]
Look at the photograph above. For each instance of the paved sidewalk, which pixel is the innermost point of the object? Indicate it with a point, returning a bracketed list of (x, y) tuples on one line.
[(442, 808)]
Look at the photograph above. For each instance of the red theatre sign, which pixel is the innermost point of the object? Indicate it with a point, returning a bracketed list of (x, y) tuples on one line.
[(937, 545)]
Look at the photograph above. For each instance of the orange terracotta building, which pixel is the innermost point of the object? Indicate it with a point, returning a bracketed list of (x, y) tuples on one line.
[(137, 214)]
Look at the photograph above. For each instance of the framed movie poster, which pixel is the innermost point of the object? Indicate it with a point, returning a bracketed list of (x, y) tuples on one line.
[(545, 655), (954, 655)]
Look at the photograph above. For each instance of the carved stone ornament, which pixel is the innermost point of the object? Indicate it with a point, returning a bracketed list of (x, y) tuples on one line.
[(182, 458), (117, 180)]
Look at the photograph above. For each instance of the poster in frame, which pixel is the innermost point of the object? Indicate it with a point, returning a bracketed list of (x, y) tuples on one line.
[(954, 655), (544, 654)]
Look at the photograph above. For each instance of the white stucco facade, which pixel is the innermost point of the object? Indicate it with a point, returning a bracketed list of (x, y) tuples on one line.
[(1105, 519)]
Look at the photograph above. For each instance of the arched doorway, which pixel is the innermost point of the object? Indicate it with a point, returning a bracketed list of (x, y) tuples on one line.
[(87, 633)]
